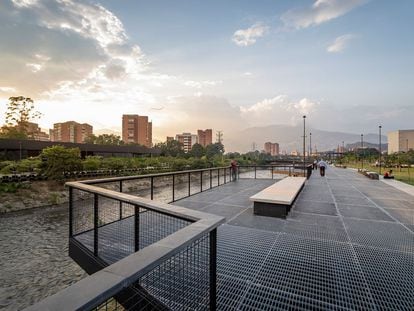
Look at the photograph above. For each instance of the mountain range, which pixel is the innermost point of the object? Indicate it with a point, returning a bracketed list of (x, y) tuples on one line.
[(290, 138)]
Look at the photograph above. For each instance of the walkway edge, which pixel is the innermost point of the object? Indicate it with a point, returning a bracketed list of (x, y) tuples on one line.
[(399, 185)]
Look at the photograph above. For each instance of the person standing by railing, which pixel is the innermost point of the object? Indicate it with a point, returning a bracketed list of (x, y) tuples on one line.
[(233, 165), (322, 167)]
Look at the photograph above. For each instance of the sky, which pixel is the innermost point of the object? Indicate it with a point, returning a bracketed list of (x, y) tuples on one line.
[(348, 65)]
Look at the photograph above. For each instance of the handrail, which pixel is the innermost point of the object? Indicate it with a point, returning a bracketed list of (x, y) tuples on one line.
[(97, 288)]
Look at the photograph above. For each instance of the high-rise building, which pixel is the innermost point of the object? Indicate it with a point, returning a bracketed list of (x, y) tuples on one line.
[(170, 138), (401, 140), (187, 139), (70, 132), (271, 148), (205, 137), (34, 132), (136, 129)]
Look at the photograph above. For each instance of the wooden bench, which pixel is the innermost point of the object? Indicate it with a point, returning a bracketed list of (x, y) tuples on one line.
[(277, 200)]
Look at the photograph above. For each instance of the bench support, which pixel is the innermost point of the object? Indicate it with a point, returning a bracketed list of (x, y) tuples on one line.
[(271, 209)]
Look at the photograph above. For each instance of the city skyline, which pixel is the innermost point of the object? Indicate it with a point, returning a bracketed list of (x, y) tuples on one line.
[(347, 65)]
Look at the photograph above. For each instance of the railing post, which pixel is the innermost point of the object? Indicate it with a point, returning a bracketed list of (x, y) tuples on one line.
[(173, 188), (211, 179), (95, 224), (152, 187), (225, 173), (136, 226), (201, 181), (218, 177), (271, 168), (120, 203), (189, 184), (238, 172), (70, 211), (213, 269), (255, 169)]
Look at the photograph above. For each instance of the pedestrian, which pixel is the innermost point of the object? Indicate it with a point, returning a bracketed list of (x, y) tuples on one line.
[(233, 165), (315, 164), (322, 167)]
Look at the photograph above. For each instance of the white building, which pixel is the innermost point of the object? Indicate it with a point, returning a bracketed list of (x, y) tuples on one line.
[(401, 140)]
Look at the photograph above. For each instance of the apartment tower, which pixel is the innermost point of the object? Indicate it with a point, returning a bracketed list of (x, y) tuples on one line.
[(70, 132), (205, 137), (187, 139), (271, 148), (136, 129)]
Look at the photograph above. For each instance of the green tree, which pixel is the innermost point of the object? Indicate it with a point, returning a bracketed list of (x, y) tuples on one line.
[(104, 139), (215, 149), (197, 151), (172, 148), (57, 160), (19, 113)]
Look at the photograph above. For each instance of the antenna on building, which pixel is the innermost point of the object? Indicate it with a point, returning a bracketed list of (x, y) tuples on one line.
[(219, 137)]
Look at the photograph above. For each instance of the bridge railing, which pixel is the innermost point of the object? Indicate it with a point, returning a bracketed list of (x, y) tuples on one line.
[(157, 256)]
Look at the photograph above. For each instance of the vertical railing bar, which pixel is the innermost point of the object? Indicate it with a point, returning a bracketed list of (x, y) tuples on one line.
[(213, 269), (218, 177), (173, 188), (211, 179), (70, 211), (255, 169), (189, 184), (120, 202), (95, 224), (136, 228), (225, 173), (152, 187), (272, 171), (201, 181)]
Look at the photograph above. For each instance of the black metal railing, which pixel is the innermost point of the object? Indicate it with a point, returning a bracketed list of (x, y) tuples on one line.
[(157, 256)]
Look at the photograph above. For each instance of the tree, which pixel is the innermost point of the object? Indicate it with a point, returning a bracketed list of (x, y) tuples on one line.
[(171, 148), (104, 139), (20, 112), (57, 160), (197, 151), (214, 149)]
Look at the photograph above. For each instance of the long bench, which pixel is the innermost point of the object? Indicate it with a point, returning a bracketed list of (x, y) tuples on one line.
[(277, 200)]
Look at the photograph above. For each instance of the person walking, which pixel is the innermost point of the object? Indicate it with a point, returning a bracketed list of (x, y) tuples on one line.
[(322, 167), (233, 166)]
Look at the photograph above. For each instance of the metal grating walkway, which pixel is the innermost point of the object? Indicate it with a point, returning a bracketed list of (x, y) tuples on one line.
[(348, 244)]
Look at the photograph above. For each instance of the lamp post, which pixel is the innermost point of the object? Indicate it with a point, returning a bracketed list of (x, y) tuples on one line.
[(304, 146), (380, 151), (362, 147), (310, 144)]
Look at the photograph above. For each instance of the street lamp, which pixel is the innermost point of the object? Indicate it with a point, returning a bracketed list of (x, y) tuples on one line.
[(363, 153), (304, 142), (310, 144), (380, 151)]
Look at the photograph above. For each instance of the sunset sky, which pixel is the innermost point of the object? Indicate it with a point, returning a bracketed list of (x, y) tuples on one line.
[(347, 64)]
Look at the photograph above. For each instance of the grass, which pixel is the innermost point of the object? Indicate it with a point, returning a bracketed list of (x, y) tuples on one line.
[(403, 174)]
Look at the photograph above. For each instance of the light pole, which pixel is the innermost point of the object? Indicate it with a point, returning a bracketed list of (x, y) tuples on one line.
[(310, 144), (362, 147), (380, 151), (304, 146)]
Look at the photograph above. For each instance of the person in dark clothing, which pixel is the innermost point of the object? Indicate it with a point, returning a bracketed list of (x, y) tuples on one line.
[(322, 167), (233, 165)]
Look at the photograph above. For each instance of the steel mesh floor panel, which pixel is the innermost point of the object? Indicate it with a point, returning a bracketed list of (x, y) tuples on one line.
[(392, 203), (387, 235), (404, 216), (265, 298), (390, 276), (230, 292), (322, 208), (363, 212), (353, 200), (321, 270), (318, 231)]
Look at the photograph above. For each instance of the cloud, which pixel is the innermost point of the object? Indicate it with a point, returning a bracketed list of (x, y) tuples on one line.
[(321, 11), (339, 43), (201, 84), (278, 110), (246, 37)]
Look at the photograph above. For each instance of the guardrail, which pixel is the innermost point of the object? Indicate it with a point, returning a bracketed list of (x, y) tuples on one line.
[(163, 256)]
